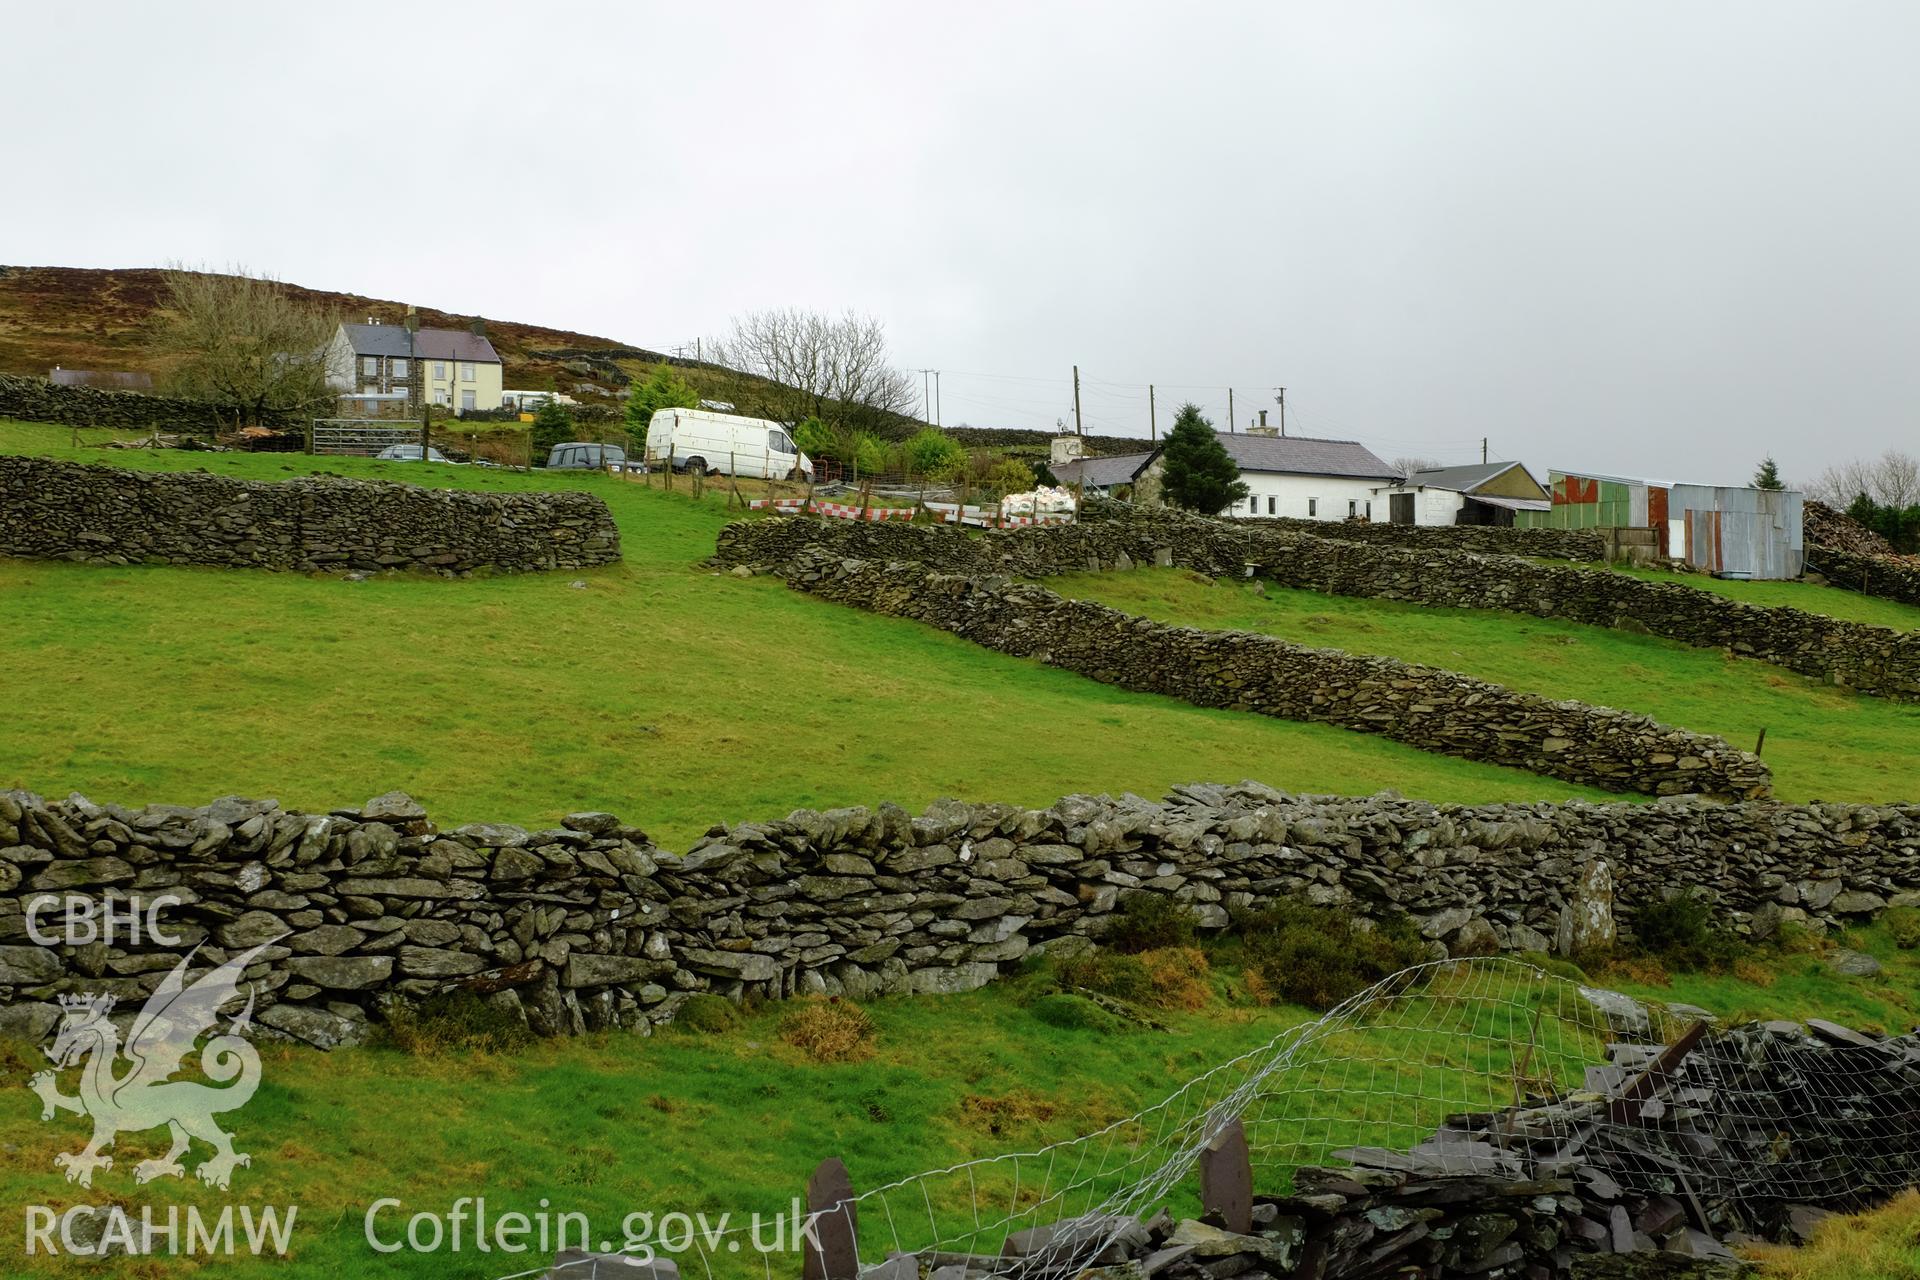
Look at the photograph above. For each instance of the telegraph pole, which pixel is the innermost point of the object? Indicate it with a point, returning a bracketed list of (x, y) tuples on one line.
[(1077, 428), (1153, 427), (1283, 409), (936, 398), (1232, 426), (1483, 450)]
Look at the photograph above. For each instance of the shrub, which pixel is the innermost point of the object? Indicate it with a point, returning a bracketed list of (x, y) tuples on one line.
[(1682, 932), (1108, 973), (1076, 1013), (830, 1030), (931, 453), (1904, 924), (814, 438), (552, 425), (1181, 977), (1146, 921), (1318, 956), (450, 1021), (706, 1014), (1010, 476)]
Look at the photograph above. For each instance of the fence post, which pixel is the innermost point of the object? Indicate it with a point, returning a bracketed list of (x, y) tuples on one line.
[(1226, 1179), (831, 1251)]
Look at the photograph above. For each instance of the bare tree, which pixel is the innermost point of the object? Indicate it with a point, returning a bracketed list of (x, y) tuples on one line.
[(243, 342), (835, 368), (1891, 480), (1407, 466)]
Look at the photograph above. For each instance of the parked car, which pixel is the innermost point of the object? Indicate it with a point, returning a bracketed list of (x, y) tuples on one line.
[(588, 455), (698, 442), (408, 453)]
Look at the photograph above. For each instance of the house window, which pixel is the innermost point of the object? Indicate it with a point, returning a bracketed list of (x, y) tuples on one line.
[(400, 369), (370, 365), (466, 400), (1369, 510), (1271, 500), (1313, 508), (1253, 505), (440, 370), (466, 373), (1353, 508)]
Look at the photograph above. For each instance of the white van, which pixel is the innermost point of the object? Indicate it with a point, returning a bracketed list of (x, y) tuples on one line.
[(699, 442)]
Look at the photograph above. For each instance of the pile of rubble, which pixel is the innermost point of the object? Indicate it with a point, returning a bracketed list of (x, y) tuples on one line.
[(1753, 1133), (1835, 530)]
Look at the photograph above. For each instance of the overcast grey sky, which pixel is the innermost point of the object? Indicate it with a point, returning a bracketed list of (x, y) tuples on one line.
[(1653, 238)]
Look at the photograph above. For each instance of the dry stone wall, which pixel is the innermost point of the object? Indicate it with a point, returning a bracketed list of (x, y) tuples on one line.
[(114, 515), (1426, 707), (1540, 544), (590, 924), (1875, 660), (37, 400), (1870, 575)]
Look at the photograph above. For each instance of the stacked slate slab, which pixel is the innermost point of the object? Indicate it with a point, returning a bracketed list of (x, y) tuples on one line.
[(1755, 1133)]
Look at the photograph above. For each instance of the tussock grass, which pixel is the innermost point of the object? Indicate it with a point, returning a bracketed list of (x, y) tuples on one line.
[(1883, 1244)]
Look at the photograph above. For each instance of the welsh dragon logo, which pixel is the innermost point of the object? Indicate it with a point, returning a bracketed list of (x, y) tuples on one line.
[(144, 1096)]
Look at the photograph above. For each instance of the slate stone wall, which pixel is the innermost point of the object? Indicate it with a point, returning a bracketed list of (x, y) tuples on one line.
[(590, 924), (1870, 575), (114, 515), (1875, 660), (1426, 707), (37, 400), (1540, 544)]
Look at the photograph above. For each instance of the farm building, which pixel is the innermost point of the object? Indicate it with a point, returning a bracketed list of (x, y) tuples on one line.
[(1285, 475), (1723, 529), (1482, 493), (1109, 475)]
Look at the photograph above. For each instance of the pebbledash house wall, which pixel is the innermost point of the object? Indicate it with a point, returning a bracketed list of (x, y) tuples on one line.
[(589, 924), (1868, 659), (115, 515)]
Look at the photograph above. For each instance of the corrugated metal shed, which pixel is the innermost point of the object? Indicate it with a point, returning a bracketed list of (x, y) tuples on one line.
[(1755, 533), (1728, 529)]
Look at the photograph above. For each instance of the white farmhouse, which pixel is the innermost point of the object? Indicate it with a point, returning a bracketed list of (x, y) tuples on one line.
[(1298, 476), (1307, 478)]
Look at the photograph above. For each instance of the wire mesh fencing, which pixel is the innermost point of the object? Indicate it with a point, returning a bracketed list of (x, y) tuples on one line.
[(1443, 1080)]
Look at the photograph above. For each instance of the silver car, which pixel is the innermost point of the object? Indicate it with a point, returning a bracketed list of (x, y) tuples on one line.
[(408, 453)]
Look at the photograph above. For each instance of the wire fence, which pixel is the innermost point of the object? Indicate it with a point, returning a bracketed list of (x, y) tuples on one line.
[(1485, 1067)]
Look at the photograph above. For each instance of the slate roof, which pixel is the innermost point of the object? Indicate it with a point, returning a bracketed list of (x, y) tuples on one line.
[(429, 344), (1306, 456), (1105, 472), (1461, 479)]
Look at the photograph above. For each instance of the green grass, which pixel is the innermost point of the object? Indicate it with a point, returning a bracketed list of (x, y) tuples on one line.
[(1823, 744), (660, 691), (1881, 1245), (1835, 602), (735, 1120)]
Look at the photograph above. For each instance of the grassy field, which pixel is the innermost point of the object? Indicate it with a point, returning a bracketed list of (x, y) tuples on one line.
[(734, 1120), (1832, 601), (1823, 744), (676, 697), (658, 690)]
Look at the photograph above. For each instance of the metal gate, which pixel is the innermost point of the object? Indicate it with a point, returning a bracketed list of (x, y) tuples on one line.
[(363, 437)]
